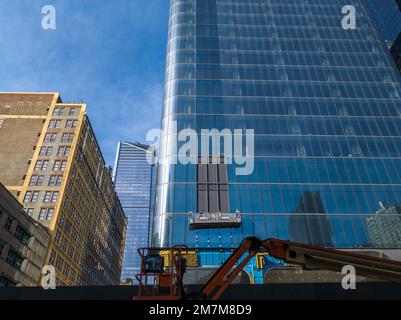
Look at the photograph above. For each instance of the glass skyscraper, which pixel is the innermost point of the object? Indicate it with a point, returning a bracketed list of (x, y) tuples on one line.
[(134, 181), (325, 105), (387, 14)]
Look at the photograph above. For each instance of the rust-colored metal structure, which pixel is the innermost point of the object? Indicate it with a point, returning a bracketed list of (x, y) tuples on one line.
[(162, 283)]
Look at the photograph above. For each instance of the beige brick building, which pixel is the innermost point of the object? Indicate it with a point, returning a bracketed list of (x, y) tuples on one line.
[(50, 160)]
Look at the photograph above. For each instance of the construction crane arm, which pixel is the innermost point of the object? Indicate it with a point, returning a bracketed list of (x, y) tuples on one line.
[(318, 258), (307, 256), (225, 275)]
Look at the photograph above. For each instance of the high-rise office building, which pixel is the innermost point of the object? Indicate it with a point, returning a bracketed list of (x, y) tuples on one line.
[(325, 105), (134, 180), (385, 224), (50, 160), (387, 14)]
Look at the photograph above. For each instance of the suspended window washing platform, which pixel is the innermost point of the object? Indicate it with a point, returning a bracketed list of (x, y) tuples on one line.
[(205, 220)]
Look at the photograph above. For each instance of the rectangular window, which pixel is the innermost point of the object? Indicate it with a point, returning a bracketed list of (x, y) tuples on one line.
[(45, 151), (56, 166), (45, 165), (67, 151), (49, 215), (51, 124), (42, 214), (33, 180), (5, 282), (38, 165), (67, 137), (42, 151), (1, 122), (72, 112), (27, 196), (49, 151), (50, 137), (60, 151), (36, 180), (66, 270), (74, 123), (59, 180), (35, 196), (59, 263), (39, 181), (47, 196), (22, 235), (1, 247), (29, 212), (63, 245), (63, 151), (54, 196), (57, 124), (57, 237), (8, 223), (52, 180), (14, 259), (68, 124), (55, 111), (52, 257), (63, 165)]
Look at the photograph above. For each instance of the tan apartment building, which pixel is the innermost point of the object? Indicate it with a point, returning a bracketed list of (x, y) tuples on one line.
[(23, 244), (50, 160)]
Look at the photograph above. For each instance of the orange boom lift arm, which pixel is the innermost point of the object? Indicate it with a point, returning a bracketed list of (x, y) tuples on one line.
[(307, 256)]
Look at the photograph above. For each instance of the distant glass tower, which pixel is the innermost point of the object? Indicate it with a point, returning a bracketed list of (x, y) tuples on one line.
[(134, 181), (325, 106), (387, 14), (385, 224)]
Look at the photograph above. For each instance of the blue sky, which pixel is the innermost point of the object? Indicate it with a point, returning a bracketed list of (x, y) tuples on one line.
[(109, 54)]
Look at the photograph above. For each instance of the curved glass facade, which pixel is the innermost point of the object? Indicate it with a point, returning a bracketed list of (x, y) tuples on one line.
[(325, 106)]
